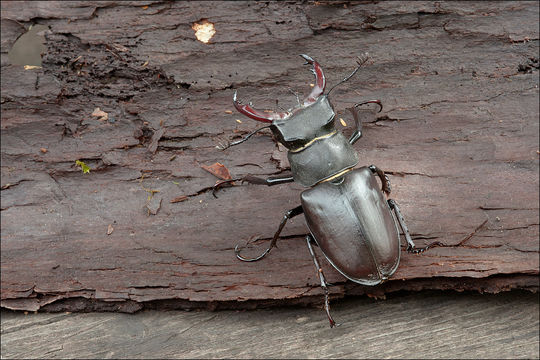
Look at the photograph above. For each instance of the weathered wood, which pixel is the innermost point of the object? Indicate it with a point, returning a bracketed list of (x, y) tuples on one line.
[(432, 325), (458, 137)]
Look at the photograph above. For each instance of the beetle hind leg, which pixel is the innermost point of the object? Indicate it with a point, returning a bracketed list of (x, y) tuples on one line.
[(411, 247), (322, 279)]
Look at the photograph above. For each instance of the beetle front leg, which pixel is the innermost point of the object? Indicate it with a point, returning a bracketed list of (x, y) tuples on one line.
[(357, 134), (411, 247), (322, 279)]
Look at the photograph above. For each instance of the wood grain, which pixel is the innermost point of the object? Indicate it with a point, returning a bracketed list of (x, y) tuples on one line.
[(442, 325), (458, 136)]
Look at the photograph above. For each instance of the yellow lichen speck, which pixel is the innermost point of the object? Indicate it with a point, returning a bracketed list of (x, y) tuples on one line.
[(204, 30)]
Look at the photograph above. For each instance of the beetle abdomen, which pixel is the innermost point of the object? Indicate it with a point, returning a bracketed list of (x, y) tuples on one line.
[(352, 224)]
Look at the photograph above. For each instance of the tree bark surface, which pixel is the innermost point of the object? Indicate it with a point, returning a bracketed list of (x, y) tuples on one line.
[(458, 137)]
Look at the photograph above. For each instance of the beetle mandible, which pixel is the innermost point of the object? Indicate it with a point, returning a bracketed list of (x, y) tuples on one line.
[(349, 217)]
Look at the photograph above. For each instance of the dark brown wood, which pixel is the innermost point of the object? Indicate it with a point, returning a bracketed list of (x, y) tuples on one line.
[(458, 137)]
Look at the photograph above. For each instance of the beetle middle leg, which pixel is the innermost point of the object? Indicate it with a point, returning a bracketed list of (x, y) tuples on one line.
[(385, 181), (288, 215), (322, 279), (411, 247)]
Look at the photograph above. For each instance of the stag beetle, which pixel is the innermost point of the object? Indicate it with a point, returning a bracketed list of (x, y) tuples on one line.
[(347, 214)]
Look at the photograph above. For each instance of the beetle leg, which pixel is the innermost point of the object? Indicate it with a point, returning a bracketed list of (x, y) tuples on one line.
[(289, 214), (357, 134), (322, 279), (229, 144), (253, 180), (385, 181), (411, 247)]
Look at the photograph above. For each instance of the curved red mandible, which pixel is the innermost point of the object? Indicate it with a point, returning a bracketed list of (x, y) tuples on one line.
[(320, 81), (257, 114), (268, 117)]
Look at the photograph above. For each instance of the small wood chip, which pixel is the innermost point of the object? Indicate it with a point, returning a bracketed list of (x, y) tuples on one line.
[(218, 170), (102, 115), (43, 150), (110, 229), (152, 147), (179, 199), (153, 205)]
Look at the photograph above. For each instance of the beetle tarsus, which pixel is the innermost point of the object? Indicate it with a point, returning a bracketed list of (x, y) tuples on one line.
[(288, 215), (415, 250), (411, 247), (237, 250), (220, 184), (322, 279), (223, 146), (394, 206)]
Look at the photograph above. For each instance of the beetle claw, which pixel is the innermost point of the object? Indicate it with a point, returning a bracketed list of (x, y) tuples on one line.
[(238, 249), (414, 250), (222, 146), (220, 184)]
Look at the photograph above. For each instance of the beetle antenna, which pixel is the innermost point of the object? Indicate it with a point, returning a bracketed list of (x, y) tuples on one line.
[(360, 61), (296, 95), (278, 107), (229, 144)]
